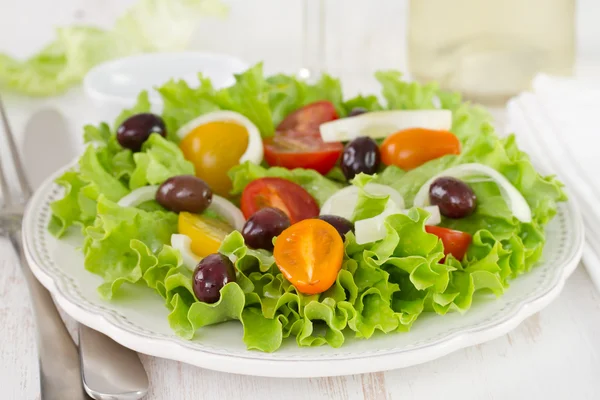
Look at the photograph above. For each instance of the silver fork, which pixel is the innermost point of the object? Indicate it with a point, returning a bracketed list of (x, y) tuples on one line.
[(60, 376)]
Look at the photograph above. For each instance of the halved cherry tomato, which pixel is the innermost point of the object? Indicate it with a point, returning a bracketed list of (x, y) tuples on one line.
[(306, 120), (410, 148), (289, 197), (309, 254), (206, 233), (455, 242), (302, 152)]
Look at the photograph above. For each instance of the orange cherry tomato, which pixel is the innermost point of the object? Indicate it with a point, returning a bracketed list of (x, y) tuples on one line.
[(455, 242), (410, 148), (206, 233), (309, 254), (214, 148)]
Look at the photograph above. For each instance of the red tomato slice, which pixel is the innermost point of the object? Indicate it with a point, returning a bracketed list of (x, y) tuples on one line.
[(455, 242), (306, 120), (302, 152), (289, 197)]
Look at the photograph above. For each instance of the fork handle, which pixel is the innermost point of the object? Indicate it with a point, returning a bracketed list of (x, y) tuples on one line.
[(60, 374)]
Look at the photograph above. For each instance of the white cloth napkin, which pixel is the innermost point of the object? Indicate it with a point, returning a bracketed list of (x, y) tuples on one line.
[(558, 124)]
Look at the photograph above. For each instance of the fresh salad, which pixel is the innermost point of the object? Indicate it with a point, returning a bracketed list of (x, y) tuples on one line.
[(301, 213)]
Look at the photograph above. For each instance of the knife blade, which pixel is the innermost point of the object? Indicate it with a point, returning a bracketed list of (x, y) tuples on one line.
[(108, 370)]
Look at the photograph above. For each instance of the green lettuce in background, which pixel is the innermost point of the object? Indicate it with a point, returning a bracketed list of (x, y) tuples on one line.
[(76, 49), (264, 101), (382, 286)]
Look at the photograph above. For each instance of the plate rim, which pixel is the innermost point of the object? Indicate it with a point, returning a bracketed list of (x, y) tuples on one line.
[(295, 366)]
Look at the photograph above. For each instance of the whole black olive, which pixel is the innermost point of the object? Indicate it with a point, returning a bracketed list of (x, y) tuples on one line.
[(263, 226), (135, 130), (454, 197), (360, 155), (210, 275), (184, 193)]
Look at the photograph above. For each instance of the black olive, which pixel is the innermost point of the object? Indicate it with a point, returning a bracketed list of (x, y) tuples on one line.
[(360, 155), (135, 130), (454, 197), (184, 193), (210, 275)]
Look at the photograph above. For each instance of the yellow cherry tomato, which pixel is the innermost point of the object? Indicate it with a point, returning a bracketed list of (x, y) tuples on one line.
[(206, 233), (214, 148)]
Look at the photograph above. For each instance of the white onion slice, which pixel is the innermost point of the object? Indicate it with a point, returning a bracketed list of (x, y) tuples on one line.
[(381, 124), (373, 229), (138, 196), (343, 202), (229, 211), (182, 243), (514, 199)]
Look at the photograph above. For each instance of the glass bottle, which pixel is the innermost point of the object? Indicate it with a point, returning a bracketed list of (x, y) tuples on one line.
[(490, 49)]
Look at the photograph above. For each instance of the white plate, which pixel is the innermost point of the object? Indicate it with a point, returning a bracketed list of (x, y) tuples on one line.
[(138, 319)]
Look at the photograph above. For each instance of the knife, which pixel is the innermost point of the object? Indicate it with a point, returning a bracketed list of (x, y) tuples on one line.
[(108, 370)]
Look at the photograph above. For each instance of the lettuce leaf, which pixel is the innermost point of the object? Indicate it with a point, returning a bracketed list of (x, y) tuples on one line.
[(181, 103), (123, 243), (249, 96), (65, 61), (107, 169), (403, 95), (288, 93), (364, 298), (159, 160), (367, 204)]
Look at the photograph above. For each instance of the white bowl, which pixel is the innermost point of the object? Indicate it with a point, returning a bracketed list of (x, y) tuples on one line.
[(115, 85)]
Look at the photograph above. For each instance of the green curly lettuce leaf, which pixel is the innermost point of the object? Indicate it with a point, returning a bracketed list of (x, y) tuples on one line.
[(142, 105), (364, 299), (76, 49), (403, 95), (367, 204), (123, 243), (369, 103), (109, 170), (159, 160), (182, 103), (249, 96), (288, 93)]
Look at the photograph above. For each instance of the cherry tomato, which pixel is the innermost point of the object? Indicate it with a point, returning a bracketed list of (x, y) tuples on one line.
[(410, 148), (206, 233), (302, 152), (214, 148), (455, 242), (289, 197), (306, 120), (309, 254)]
